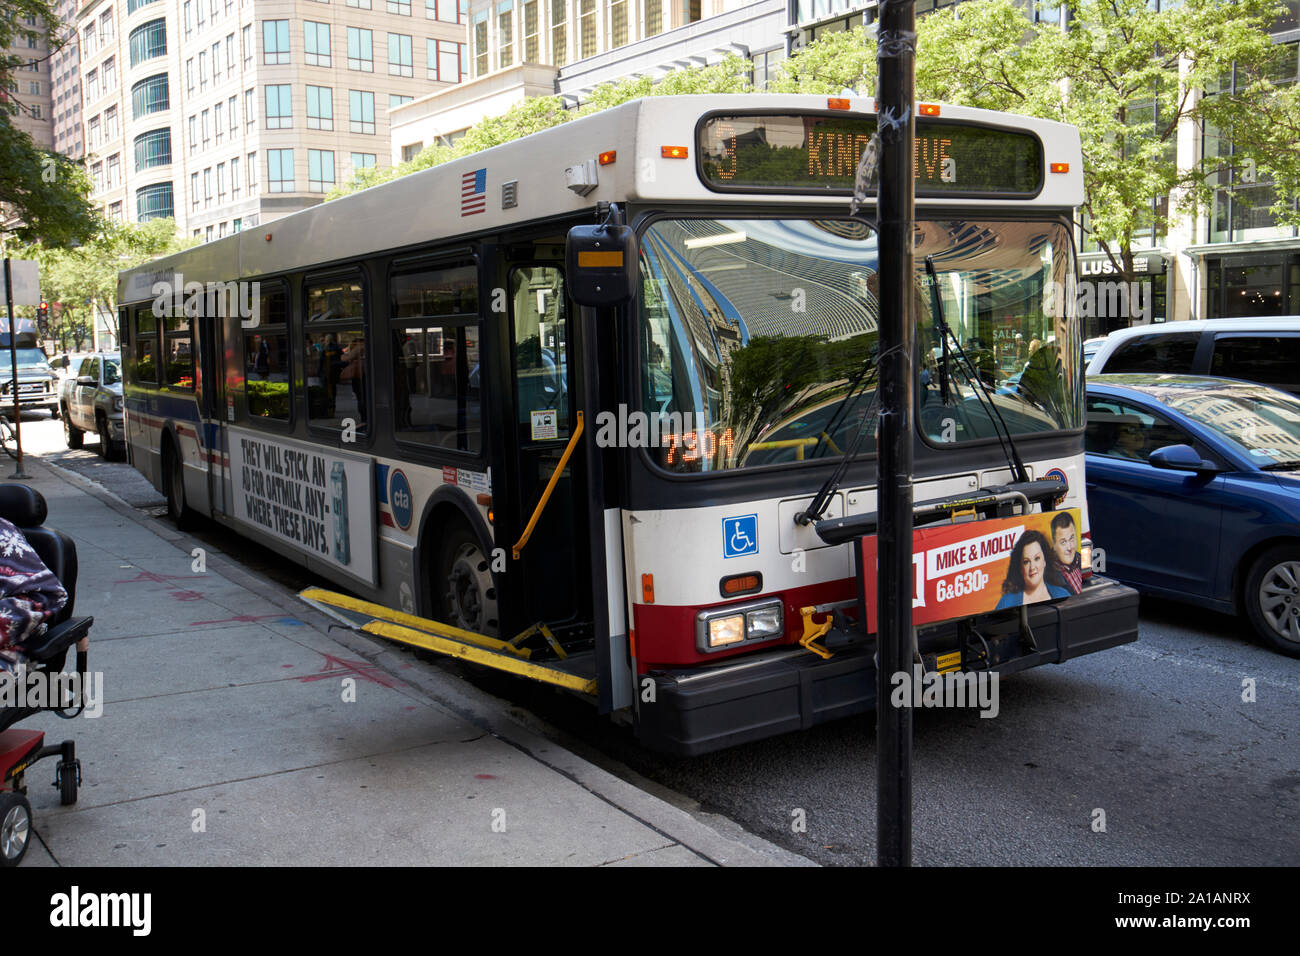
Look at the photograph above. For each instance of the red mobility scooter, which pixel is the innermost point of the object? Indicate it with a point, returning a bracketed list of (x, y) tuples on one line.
[(19, 749)]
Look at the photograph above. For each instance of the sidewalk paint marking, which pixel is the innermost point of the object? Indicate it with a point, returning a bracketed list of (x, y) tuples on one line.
[(152, 577), (186, 595), (339, 667)]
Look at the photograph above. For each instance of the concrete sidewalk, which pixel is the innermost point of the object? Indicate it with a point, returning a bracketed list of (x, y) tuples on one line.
[(227, 736)]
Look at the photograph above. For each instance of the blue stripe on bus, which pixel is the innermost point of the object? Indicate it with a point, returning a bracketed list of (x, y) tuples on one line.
[(381, 482)]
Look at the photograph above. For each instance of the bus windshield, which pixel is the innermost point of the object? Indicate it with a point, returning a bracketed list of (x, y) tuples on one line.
[(758, 337)]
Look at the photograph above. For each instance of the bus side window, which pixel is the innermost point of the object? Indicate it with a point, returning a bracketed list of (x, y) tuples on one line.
[(335, 350), (266, 356), (540, 311), (436, 381), (146, 345)]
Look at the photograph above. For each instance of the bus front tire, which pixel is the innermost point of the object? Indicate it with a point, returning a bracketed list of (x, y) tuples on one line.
[(467, 595), (173, 478)]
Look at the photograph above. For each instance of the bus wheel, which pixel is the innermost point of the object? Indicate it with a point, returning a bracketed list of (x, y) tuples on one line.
[(469, 595), (173, 479)]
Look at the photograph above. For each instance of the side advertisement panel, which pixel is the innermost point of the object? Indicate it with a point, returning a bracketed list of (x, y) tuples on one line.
[(316, 499), (960, 570)]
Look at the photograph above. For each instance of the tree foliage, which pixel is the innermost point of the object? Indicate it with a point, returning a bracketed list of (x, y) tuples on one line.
[(48, 194), (84, 278)]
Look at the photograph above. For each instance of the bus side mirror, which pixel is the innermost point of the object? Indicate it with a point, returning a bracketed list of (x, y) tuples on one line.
[(600, 264)]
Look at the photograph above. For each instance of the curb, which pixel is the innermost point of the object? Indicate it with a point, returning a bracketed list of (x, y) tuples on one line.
[(706, 839)]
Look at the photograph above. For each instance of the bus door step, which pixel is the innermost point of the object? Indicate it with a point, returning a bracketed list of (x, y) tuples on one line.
[(573, 673)]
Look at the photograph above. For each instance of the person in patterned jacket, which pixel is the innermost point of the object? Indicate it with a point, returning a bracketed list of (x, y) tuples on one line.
[(30, 595)]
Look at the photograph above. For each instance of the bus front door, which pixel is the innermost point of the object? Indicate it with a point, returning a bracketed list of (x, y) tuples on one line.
[(554, 565)]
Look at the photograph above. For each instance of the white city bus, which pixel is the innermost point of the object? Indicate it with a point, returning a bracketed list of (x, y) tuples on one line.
[(593, 470)]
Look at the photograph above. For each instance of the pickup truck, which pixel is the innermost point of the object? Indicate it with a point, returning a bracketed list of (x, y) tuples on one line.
[(92, 401), (37, 382)]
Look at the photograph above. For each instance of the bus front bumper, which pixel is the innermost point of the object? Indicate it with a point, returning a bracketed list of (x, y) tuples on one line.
[(744, 699)]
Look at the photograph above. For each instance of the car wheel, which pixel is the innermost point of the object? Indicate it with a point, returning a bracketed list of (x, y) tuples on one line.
[(107, 447), (73, 435), (1272, 598), (464, 580)]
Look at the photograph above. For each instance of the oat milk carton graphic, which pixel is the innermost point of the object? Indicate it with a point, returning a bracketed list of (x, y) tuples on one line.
[(339, 484)]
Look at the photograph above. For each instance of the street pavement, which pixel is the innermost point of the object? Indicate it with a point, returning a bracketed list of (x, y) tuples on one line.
[(240, 727)]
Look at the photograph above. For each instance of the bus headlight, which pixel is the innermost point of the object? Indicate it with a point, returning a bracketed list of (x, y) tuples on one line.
[(722, 627)]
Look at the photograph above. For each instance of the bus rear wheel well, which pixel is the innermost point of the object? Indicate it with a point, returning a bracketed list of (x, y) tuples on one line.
[(455, 556)]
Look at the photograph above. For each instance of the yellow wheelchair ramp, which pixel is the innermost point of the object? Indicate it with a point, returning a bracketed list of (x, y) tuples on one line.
[(452, 641)]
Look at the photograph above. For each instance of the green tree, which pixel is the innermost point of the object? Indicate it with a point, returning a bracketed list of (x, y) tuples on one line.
[(46, 194), (84, 279), (1130, 78)]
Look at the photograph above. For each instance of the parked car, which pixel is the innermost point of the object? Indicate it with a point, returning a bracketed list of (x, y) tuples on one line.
[(1193, 485), (1264, 350), (1091, 347), (37, 382), (92, 401), (68, 363)]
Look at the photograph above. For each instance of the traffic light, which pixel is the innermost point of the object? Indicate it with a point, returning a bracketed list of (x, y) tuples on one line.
[(43, 312)]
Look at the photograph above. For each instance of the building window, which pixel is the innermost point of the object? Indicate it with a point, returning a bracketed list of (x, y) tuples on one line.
[(92, 86), (216, 61), (189, 15), (279, 107), (400, 61), (194, 134), (654, 17), (586, 28), (219, 121), (250, 116), (361, 111), (110, 124), (617, 23), (153, 202), (194, 190), (221, 182), (359, 4), (148, 41), (115, 212), (153, 148), (251, 166), (362, 161), (150, 96), (230, 53), (320, 107), (335, 353), (110, 74), (410, 151), (97, 176), (401, 7), (115, 170), (316, 42), (279, 170), (480, 44), (531, 39), (448, 11), (207, 187), (206, 126), (320, 170), (232, 105), (505, 33), (235, 181), (275, 41), (397, 99), (203, 70), (360, 52), (247, 34), (559, 35)]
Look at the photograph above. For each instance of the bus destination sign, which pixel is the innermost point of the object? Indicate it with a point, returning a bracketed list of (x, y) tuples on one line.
[(820, 154)]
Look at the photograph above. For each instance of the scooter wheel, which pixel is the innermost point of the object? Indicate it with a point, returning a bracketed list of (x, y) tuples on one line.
[(67, 775), (15, 827)]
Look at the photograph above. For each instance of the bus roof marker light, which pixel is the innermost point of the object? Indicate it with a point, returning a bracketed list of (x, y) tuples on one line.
[(928, 109), (673, 152), (268, 237), (1060, 167), (647, 589), (837, 103), (607, 157)]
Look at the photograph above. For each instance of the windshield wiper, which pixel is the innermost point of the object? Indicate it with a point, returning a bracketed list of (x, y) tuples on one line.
[(986, 399), (1281, 465), (818, 505)]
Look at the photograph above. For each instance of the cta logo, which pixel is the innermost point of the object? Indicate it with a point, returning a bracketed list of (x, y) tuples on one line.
[(399, 497)]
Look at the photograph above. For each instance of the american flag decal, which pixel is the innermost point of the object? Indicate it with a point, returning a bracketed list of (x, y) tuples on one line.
[(473, 192)]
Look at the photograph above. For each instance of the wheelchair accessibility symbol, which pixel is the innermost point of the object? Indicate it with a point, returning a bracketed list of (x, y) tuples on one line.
[(739, 536)]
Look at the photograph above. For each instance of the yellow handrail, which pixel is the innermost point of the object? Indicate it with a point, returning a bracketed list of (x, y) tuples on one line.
[(798, 444), (550, 486)]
